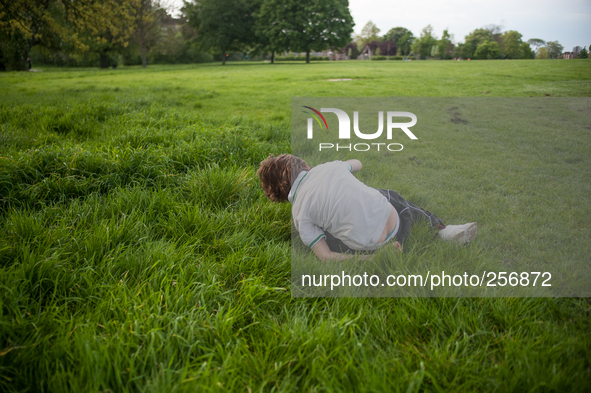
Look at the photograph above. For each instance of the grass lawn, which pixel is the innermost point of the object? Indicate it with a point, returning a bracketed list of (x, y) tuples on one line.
[(137, 252)]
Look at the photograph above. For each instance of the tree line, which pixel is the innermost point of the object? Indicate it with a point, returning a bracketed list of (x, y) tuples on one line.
[(488, 42), (91, 32), (79, 32), (86, 32)]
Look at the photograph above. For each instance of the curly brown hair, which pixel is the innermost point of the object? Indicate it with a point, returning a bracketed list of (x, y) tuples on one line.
[(277, 175)]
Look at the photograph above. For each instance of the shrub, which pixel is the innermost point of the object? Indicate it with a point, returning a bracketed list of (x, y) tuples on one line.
[(487, 50), (290, 58), (300, 58), (386, 58)]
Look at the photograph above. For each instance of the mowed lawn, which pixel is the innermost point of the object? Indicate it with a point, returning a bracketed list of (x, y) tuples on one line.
[(137, 252)]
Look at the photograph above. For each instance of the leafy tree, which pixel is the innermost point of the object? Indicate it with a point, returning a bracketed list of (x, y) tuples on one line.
[(583, 54), (374, 47), (176, 41), (423, 46), (458, 50), (495, 30), (474, 39), (387, 48), (147, 15), (542, 53), (271, 24), (74, 25), (404, 43), (304, 26), (329, 23), (536, 43), (396, 33), (351, 50), (468, 50), (223, 25), (487, 50), (511, 44), (554, 49), (445, 46), (109, 37), (27, 23), (526, 51), (191, 21), (368, 34)]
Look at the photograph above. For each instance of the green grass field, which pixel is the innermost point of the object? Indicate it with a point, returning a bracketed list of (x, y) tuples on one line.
[(137, 252)]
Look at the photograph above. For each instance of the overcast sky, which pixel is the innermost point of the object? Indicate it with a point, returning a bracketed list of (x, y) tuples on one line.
[(565, 21)]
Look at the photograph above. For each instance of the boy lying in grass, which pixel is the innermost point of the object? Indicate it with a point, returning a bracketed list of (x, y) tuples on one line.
[(337, 215)]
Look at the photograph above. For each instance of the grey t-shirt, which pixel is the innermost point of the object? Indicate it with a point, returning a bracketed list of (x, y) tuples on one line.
[(330, 198)]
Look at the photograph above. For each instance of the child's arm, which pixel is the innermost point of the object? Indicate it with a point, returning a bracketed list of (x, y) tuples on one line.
[(325, 254), (356, 164)]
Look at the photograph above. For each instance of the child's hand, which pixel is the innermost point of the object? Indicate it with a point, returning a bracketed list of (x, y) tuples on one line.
[(397, 246)]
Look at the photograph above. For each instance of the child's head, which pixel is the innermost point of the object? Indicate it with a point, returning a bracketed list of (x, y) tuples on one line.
[(277, 175)]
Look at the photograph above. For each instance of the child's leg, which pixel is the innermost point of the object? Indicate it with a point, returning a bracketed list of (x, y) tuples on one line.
[(409, 213), (417, 214)]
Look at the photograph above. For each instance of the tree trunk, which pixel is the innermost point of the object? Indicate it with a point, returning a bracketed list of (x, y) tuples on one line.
[(144, 62), (142, 29), (308, 56), (26, 63), (223, 57), (104, 60), (24, 66), (272, 57)]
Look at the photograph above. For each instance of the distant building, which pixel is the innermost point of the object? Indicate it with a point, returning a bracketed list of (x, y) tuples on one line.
[(170, 23), (572, 55)]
